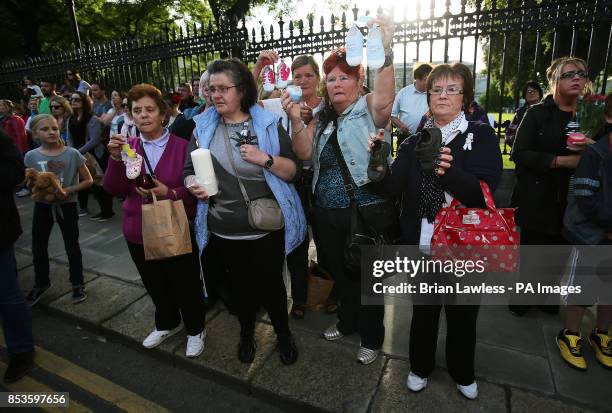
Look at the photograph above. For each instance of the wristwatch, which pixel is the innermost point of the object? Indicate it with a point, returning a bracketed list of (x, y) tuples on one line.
[(269, 162)]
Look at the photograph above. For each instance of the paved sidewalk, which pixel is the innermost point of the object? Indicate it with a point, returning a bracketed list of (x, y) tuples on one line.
[(517, 362)]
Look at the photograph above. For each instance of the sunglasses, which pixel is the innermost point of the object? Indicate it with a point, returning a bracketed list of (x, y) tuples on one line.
[(573, 73), (55, 106), (124, 105)]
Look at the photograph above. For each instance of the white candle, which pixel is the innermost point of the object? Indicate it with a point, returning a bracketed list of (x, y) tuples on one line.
[(203, 167)]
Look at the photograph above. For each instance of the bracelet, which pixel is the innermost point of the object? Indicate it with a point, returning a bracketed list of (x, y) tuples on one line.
[(388, 59), (301, 129)]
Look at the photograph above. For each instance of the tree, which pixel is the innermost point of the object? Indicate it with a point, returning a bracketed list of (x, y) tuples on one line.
[(37, 26), (514, 77)]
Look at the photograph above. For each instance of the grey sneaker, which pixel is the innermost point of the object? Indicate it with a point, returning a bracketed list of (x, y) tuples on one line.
[(23, 192), (78, 294), (83, 212)]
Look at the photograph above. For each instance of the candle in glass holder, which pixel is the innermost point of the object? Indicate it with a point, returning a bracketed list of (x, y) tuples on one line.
[(203, 167)]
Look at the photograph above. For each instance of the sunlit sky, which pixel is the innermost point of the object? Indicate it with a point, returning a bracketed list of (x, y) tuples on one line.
[(402, 9)]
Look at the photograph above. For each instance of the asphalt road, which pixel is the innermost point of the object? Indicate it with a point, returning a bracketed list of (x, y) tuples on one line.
[(103, 375)]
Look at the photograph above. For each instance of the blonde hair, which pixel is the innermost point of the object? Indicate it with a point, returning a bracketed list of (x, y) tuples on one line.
[(554, 71), (65, 105), (34, 124)]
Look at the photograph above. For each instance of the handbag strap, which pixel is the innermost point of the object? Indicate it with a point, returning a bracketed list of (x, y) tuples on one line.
[(228, 146), (348, 185), (488, 197), (146, 158)]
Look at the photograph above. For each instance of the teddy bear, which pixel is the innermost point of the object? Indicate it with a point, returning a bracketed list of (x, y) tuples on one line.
[(45, 186)]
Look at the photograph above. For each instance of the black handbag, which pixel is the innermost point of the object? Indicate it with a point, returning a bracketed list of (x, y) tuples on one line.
[(372, 225)]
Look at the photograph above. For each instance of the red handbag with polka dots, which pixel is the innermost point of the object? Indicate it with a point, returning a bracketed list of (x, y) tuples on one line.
[(486, 235)]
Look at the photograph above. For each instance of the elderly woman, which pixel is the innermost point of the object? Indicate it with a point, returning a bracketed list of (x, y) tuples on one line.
[(460, 169), (343, 130), (544, 165), (173, 283), (251, 153)]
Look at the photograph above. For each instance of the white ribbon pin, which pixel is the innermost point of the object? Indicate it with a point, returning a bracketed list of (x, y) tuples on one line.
[(468, 142)]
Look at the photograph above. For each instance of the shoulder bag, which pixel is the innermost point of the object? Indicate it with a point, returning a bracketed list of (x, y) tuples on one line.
[(264, 213), (371, 225)]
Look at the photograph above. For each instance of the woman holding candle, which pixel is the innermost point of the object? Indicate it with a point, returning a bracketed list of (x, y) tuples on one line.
[(250, 152), (173, 283), (341, 135)]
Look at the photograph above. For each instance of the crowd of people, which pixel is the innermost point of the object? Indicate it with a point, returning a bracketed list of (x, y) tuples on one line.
[(311, 158)]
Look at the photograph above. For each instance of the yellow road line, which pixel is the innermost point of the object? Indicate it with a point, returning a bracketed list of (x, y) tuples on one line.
[(28, 384), (93, 383)]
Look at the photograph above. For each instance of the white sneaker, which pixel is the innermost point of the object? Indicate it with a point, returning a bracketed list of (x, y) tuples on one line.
[(416, 383), (354, 46), (470, 392), (157, 337), (375, 49), (195, 344)]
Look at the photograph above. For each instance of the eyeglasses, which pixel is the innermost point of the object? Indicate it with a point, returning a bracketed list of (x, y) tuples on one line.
[(531, 91), (573, 73), (452, 90), (221, 89), (55, 106)]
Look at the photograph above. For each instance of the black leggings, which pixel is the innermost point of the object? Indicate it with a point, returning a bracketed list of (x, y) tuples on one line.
[(67, 218), (254, 269)]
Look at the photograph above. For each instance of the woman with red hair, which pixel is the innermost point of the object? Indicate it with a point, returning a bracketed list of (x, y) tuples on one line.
[(343, 130)]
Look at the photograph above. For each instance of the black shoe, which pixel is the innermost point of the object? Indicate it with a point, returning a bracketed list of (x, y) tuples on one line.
[(36, 294), (518, 310), (106, 217), (427, 149), (78, 294), (246, 350), (20, 364), (377, 167), (287, 349), (96, 216)]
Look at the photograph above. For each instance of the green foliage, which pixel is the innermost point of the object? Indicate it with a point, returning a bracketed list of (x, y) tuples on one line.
[(37, 26)]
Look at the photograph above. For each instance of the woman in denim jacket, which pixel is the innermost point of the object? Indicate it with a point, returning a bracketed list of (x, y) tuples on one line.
[(348, 118)]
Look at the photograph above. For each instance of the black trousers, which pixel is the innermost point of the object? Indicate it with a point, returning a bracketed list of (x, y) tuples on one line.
[(367, 320), (460, 340), (297, 262), (175, 287), (254, 269), (68, 220)]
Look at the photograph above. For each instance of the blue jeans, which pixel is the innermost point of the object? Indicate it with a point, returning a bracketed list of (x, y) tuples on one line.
[(15, 313)]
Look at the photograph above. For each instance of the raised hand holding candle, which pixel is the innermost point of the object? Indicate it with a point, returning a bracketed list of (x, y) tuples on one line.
[(203, 167)]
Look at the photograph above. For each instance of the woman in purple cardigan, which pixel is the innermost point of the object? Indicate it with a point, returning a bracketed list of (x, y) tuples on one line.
[(173, 283)]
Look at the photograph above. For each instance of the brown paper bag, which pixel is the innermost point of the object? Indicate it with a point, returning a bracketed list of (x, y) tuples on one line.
[(318, 291), (165, 229)]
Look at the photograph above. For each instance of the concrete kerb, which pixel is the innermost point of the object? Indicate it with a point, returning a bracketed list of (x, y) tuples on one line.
[(170, 355)]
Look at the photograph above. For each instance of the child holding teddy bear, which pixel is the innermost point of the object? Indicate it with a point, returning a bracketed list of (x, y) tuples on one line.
[(55, 173)]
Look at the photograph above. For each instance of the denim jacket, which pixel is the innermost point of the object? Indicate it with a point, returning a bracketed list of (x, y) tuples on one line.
[(354, 127), (265, 124)]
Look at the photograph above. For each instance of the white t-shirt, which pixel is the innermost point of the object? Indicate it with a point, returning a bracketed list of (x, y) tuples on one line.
[(409, 106)]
